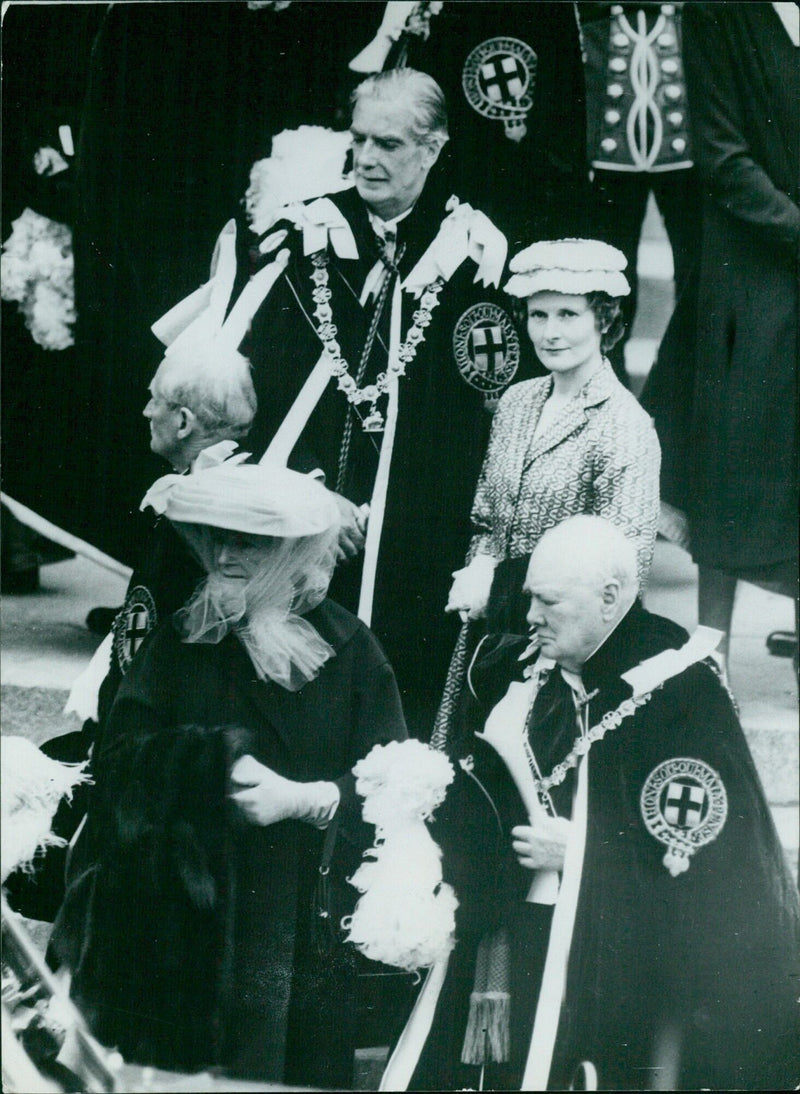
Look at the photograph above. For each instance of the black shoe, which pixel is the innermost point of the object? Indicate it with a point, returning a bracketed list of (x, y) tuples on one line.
[(100, 620), (782, 643)]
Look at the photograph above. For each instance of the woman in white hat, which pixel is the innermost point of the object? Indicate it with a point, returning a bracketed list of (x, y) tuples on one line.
[(197, 925), (573, 442)]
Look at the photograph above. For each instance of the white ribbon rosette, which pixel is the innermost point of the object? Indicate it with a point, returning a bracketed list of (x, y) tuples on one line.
[(464, 233)]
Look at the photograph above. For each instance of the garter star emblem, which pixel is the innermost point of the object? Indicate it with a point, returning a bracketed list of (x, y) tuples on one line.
[(684, 805), (486, 348), (132, 625), (498, 80)]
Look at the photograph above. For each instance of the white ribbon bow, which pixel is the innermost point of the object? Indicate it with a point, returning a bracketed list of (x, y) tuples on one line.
[(320, 222), (373, 57), (465, 233)]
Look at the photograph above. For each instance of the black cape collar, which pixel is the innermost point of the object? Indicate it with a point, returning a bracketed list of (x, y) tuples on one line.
[(416, 231), (638, 636)]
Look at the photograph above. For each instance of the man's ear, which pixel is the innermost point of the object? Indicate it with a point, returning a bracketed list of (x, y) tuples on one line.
[(187, 423), (431, 153), (611, 598)]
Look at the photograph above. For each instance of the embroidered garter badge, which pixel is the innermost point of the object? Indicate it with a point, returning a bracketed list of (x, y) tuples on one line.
[(498, 80), (132, 625), (684, 805), (486, 348)]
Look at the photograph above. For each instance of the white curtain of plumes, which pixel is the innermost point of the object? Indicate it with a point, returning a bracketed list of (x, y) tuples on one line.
[(406, 914), (32, 787), (305, 163), (36, 271)]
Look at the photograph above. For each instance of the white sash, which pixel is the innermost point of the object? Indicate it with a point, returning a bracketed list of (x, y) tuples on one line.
[(377, 507), (551, 993), (405, 1057)]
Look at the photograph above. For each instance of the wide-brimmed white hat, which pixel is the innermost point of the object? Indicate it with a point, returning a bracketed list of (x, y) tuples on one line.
[(572, 266), (262, 499)]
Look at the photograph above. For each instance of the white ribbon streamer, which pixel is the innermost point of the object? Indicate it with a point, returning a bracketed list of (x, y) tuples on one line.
[(551, 993), (203, 310), (412, 1040), (85, 692), (250, 300), (504, 731), (373, 56), (288, 432)]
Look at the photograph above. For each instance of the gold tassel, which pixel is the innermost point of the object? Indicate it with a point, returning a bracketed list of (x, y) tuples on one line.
[(487, 1036)]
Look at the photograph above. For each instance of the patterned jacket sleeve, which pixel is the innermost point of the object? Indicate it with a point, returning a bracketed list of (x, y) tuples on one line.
[(484, 514), (627, 461)]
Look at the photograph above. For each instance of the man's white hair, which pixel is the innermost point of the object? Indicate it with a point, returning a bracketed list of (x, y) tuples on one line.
[(591, 550), (418, 92), (213, 381)]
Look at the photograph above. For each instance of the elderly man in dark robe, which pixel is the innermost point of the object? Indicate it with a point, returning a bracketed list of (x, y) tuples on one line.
[(627, 917), (379, 348)]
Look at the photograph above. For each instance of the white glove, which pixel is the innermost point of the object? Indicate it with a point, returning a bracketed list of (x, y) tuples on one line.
[(268, 797), (469, 593)]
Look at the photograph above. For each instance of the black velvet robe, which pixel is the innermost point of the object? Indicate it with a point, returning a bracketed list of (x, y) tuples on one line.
[(710, 955), (536, 187), (442, 427), (190, 932)]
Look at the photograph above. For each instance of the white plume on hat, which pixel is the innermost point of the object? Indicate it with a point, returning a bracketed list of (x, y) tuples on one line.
[(305, 163), (572, 266)]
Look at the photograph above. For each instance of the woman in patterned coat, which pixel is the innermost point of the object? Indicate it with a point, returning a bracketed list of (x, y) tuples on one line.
[(576, 441)]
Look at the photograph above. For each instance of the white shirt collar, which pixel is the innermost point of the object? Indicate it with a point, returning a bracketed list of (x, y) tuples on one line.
[(380, 227)]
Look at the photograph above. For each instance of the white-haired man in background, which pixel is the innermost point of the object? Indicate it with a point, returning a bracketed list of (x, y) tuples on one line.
[(627, 917), (201, 395)]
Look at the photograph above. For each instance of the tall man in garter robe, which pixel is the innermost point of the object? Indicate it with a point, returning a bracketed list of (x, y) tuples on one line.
[(513, 79), (379, 348)]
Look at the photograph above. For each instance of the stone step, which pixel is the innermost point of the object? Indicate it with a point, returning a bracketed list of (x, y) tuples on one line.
[(776, 752)]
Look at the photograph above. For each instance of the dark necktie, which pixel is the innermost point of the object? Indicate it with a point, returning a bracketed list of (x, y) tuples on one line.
[(552, 728)]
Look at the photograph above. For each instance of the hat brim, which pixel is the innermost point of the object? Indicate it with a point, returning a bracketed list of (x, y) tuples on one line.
[(569, 282)]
